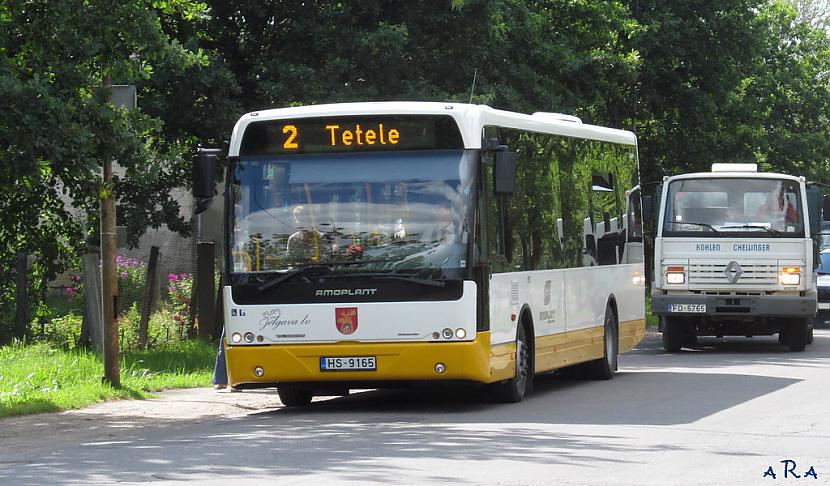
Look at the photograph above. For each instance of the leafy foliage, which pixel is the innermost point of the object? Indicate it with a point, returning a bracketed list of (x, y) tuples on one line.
[(699, 81)]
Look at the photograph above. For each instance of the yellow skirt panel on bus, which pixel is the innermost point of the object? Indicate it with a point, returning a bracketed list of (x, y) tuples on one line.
[(568, 348), (468, 360), (502, 362), (631, 333)]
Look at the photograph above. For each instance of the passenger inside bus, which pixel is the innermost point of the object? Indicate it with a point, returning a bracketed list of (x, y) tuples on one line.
[(307, 242)]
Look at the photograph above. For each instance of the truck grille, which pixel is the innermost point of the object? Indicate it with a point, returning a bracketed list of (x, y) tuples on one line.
[(751, 275)]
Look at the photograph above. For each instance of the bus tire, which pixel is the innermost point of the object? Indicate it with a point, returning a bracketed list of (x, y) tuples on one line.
[(673, 334), (294, 397), (797, 334), (515, 389), (604, 368)]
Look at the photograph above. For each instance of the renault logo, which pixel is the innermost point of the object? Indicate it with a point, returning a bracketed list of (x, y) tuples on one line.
[(733, 271)]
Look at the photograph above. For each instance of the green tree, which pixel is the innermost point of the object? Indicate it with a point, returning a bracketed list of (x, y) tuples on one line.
[(526, 56), (729, 81), (57, 125)]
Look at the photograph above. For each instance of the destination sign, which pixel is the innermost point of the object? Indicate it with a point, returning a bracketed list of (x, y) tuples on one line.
[(351, 134)]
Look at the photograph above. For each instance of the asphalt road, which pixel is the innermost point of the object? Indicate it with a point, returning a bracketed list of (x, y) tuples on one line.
[(721, 414)]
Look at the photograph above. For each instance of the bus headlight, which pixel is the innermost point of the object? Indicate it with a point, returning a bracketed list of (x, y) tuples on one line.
[(676, 275), (236, 337), (790, 276), (460, 333)]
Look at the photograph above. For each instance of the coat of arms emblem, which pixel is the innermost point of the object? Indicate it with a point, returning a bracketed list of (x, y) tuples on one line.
[(345, 318)]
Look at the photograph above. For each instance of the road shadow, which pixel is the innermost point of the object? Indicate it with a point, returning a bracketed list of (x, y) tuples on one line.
[(650, 398), (356, 438)]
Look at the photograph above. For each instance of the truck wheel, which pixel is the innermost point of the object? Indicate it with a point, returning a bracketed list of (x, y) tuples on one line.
[(673, 334), (604, 368), (690, 339), (294, 397), (797, 334), (514, 389), (810, 326)]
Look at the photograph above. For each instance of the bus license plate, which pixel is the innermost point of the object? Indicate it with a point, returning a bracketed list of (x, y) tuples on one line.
[(348, 363), (697, 308)]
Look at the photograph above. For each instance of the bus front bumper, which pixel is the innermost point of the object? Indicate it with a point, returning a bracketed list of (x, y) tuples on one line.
[(396, 362)]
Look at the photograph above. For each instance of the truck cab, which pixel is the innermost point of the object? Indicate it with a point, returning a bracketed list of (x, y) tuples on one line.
[(734, 255)]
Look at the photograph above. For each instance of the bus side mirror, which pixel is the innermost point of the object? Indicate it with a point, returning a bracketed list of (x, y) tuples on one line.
[(204, 171), (504, 173), (825, 208)]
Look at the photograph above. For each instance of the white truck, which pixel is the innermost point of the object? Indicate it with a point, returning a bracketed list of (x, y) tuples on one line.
[(734, 255)]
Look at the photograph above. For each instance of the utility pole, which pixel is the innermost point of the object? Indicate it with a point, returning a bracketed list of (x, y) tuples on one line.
[(109, 284)]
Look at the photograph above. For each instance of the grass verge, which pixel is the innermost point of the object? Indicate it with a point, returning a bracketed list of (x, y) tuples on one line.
[(43, 378)]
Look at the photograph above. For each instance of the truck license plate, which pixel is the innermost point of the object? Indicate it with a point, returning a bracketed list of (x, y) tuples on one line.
[(696, 308), (348, 363)]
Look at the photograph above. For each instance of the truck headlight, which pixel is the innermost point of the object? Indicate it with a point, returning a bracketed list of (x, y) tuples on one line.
[(676, 275), (790, 276)]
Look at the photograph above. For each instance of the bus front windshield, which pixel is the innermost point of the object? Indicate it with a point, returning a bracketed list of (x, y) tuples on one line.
[(747, 207), (403, 212)]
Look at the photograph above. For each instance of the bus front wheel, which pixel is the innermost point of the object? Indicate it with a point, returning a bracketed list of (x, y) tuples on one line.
[(515, 389), (294, 397)]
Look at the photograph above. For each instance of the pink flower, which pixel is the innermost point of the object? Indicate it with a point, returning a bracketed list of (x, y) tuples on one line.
[(123, 274)]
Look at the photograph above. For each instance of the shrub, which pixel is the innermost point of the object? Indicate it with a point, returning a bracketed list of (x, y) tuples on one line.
[(162, 329), (180, 287), (64, 331), (131, 274)]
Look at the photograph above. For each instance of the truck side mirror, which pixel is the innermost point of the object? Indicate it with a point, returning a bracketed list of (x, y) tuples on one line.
[(504, 173), (204, 171)]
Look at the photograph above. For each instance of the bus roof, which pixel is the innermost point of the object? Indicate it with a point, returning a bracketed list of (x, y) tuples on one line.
[(470, 118)]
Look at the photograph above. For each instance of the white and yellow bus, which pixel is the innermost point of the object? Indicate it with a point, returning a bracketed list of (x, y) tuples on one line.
[(384, 244)]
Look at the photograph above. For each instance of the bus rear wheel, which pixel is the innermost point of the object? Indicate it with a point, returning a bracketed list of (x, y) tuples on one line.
[(515, 389), (294, 397), (604, 368)]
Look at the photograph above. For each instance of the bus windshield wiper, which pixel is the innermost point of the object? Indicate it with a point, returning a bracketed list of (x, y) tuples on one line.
[(309, 270), (395, 276), (706, 225), (765, 228)]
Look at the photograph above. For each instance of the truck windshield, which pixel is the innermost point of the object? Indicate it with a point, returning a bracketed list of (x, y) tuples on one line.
[(352, 212), (728, 206)]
